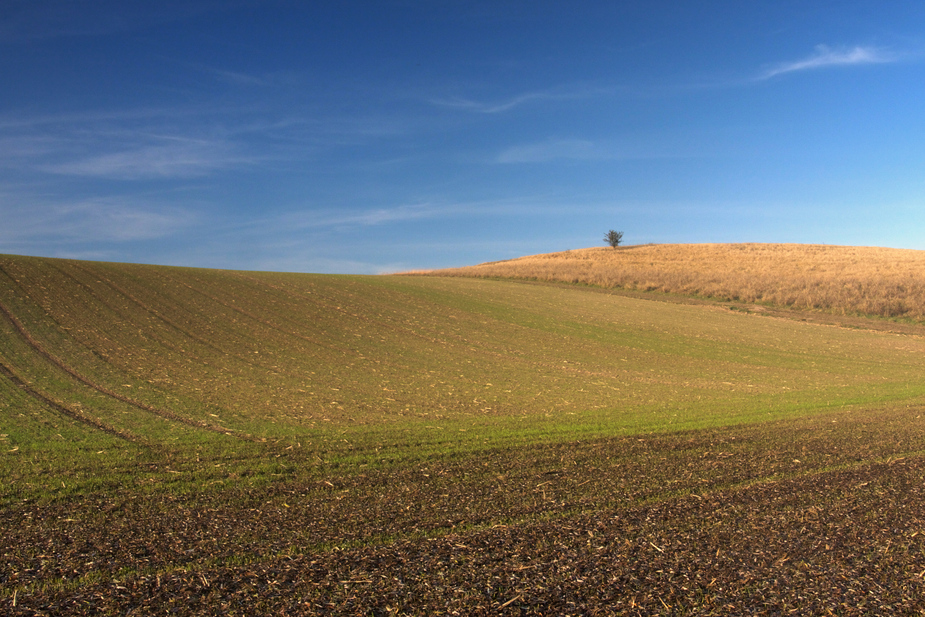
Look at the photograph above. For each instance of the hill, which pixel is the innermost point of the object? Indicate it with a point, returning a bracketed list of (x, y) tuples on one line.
[(838, 279), (187, 441)]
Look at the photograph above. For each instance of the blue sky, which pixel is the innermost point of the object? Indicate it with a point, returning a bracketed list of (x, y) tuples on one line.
[(366, 137)]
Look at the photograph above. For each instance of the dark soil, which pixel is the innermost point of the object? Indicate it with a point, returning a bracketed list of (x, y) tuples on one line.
[(768, 520)]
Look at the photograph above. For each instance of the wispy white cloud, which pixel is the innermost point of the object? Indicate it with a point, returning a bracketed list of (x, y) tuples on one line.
[(110, 219), (553, 149), (241, 78), (347, 221), (493, 107), (181, 142), (123, 145), (563, 93), (177, 158), (17, 149), (69, 122), (117, 221), (364, 218), (825, 56), (650, 146), (293, 226), (237, 78)]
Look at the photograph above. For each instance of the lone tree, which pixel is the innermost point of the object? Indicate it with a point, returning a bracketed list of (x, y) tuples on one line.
[(613, 238)]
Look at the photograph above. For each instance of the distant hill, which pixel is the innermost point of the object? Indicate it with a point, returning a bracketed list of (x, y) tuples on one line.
[(839, 279)]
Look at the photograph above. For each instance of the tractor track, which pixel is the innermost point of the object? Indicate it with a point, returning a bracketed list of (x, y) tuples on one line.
[(68, 411), (163, 413), (170, 323)]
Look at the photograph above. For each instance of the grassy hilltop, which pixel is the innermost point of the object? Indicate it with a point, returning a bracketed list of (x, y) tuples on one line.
[(218, 442), (839, 279)]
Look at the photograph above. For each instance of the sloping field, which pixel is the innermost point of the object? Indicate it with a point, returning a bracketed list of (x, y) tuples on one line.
[(188, 441), (839, 279)]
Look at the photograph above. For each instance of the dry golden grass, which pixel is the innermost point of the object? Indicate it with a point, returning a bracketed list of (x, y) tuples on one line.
[(839, 279)]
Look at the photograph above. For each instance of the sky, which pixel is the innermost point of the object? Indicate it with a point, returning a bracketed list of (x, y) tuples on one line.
[(374, 137)]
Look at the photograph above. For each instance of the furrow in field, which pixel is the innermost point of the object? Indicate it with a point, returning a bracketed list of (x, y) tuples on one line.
[(463, 344), (179, 307), (160, 316), (158, 337), (61, 307), (380, 325), (163, 413), (334, 304), (65, 410), (288, 331), (472, 348)]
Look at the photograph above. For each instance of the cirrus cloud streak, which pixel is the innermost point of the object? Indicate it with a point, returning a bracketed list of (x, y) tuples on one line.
[(825, 56)]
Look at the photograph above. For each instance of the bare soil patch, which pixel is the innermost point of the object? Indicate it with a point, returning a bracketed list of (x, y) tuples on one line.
[(757, 520)]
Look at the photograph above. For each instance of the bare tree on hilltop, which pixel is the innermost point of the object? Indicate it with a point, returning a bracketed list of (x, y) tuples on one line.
[(613, 238)]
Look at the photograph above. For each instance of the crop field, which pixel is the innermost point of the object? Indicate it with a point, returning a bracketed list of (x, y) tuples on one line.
[(180, 441), (836, 279)]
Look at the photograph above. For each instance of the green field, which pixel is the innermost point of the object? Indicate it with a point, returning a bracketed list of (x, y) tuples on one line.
[(215, 442)]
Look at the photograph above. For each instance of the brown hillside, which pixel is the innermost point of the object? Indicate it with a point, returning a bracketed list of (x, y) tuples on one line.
[(840, 279)]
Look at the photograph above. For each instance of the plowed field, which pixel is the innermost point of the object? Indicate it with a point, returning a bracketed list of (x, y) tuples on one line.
[(178, 441)]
